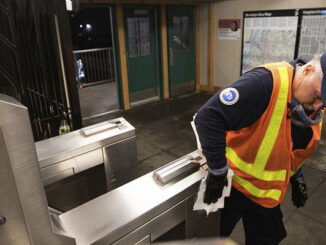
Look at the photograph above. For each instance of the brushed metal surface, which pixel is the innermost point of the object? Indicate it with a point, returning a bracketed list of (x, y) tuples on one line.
[(14, 231), (99, 127), (157, 226), (146, 240), (126, 208), (68, 154), (20, 148), (120, 162), (58, 171), (205, 241), (52, 178), (64, 169), (88, 160), (177, 168), (67, 146)]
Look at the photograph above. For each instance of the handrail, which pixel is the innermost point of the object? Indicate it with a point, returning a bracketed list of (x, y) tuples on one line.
[(94, 66)]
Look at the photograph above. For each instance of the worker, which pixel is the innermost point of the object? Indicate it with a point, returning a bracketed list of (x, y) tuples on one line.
[(263, 126)]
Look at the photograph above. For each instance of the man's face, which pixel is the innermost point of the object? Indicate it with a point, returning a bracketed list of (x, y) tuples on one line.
[(309, 91), (234, 26)]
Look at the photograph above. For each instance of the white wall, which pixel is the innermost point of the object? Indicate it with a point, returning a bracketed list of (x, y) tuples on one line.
[(227, 53)]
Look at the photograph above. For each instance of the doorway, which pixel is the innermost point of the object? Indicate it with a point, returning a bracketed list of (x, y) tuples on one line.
[(181, 46), (142, 53), (94, 54)]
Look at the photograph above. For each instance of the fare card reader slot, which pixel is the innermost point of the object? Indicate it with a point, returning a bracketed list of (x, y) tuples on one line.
[(180, 167), (100, 127)]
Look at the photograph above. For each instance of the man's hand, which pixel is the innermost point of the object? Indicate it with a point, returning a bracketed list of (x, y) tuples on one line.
[(214, 187), (299, 190)]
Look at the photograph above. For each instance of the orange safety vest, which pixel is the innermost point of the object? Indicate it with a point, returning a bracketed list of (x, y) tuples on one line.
[(261, 155)]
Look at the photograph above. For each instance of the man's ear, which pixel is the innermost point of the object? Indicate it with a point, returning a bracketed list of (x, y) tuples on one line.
[(309, 69)]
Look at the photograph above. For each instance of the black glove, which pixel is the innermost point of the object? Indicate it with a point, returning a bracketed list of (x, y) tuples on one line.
[(299, 190), (214, 187)]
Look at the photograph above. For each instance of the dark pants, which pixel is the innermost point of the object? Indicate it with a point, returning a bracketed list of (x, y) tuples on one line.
[(262, 226)]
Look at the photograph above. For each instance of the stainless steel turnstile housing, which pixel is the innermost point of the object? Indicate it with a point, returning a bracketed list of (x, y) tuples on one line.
[(112, 143), (139, 212)]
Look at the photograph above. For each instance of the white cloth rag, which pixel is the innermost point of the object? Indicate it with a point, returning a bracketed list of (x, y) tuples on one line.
[(213, 207)]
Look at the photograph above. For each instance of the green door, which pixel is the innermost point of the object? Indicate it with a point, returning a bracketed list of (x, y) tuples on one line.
[(181, 44), (141, 47)]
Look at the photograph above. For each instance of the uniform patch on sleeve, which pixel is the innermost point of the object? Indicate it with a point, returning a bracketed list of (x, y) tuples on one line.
[(229, 96)]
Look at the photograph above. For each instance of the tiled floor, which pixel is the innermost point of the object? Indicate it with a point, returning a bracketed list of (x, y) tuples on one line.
[(164, 133), (98, 99)]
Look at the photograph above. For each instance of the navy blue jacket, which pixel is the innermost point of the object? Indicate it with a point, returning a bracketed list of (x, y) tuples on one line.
[(214, 118)]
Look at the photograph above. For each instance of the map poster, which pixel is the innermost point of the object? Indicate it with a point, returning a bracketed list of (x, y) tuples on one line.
[(312, 34), (268, 36), (229, 29)]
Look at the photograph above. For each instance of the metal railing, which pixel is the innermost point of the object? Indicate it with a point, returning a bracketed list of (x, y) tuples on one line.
[(94, 66)]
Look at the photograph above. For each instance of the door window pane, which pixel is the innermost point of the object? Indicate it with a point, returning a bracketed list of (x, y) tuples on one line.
[(133, 47), (185, 32), (145, 41), (180, 33), (177, 38), (145, 46), (139, 36), (132, 27), (132, 36)]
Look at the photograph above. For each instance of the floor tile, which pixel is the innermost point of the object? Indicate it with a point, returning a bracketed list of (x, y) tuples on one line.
[(156, 161), (313, 179), (238, 233), (287, 206), (316, 205), (145, 149), (303, 230), (184, 148)]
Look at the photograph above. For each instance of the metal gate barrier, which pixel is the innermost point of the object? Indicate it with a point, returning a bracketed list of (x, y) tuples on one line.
[(95, 66)]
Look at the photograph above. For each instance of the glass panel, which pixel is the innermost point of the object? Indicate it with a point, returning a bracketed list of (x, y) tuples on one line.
[(145, 41), (177, 39), (144, 27), (133, 33), (132, 27), (145, 46), (185, 32), (181, 33), (133, 47), (139, 36)]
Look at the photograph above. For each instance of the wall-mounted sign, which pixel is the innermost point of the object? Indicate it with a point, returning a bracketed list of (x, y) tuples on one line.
[(141, 11), (268, 36), (312, 33), (229, 29)]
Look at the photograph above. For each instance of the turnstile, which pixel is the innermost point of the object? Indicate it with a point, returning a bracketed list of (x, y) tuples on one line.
[(141, 211), (23, 202), (81, 165)]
